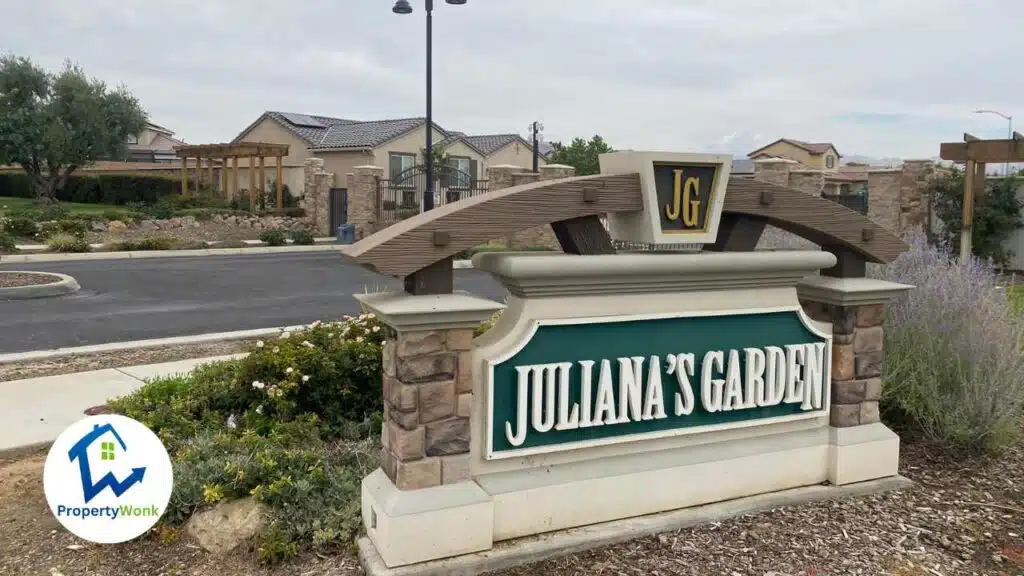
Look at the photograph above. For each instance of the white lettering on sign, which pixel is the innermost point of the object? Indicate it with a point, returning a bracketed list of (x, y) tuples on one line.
[(794, 374)]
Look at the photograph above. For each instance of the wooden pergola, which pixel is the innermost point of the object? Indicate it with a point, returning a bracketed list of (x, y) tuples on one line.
[(223, 152), (976, 153)]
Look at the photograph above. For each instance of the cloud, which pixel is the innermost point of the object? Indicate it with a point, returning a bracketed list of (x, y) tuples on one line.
[(875, 77)]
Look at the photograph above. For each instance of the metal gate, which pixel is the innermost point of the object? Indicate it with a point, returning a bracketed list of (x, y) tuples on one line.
[(855, 202), (402, 196), (338, 201)]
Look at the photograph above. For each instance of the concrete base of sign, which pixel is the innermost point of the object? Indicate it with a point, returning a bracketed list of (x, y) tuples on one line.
[(531, 549), (422, 525)]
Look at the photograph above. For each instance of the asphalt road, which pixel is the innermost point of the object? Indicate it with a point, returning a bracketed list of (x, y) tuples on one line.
[(127, 300)]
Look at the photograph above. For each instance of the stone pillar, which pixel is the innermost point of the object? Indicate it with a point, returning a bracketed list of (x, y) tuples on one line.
[(856, 309), (810, 182), (556, 171), (317, 184), (884, 197), (914, 195), (773, 170), (500, 176), (362, 199), (428, 389)]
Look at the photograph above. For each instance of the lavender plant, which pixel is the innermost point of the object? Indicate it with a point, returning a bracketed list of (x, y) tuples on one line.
[(954, 351)]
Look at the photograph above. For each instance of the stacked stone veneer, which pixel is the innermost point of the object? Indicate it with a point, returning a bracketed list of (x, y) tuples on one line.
[(858, 360), (780, 172), (318, 184), (428, 398)]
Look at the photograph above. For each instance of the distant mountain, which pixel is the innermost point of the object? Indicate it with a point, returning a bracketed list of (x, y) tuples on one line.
[(873, 162)]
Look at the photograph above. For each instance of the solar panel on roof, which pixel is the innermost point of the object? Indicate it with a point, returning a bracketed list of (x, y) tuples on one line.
[(303, 120)]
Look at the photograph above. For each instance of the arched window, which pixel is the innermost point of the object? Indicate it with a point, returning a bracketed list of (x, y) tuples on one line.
[(830, 161)]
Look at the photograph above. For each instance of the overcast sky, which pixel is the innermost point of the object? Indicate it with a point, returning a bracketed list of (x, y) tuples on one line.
[(875, 77)]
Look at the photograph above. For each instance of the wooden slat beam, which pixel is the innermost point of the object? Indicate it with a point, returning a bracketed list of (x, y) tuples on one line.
[(240, 150), (992, 151)]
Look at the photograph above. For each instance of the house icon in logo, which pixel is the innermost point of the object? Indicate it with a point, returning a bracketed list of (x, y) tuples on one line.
[(108, 450)]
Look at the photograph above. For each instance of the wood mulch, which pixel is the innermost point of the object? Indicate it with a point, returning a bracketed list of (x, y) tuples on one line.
[(962, 517), (18, 279)]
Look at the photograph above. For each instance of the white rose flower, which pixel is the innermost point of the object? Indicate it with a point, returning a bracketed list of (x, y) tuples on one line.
[(232, 423), (258, 385), (347, 318), (359, 338), (308, 344), (305, 378), (259, 409), (371, 315), (285, 335), (289, 370), (376, 329), (259, 344)]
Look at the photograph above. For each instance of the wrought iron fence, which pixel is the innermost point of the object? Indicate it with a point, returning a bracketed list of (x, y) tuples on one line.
[(625, 246), (855, 202), (401, 196)]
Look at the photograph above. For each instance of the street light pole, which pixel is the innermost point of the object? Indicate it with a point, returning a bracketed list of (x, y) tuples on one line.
[(1009, 132), (403, 7)]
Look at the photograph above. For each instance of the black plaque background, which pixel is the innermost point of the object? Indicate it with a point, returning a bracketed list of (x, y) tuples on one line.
[(664, 182)]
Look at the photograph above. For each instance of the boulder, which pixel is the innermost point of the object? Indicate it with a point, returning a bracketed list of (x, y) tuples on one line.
[(99, 227), (189, 221), (174, 223), (116, 226), (149, 225), (227, 525)]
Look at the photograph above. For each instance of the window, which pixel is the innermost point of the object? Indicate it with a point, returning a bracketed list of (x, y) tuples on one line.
[(399, 164), (132, 139), (106, 450), (462, 175), (830, 161)]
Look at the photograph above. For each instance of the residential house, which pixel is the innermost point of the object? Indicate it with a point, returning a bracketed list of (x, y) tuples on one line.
[(394, 144), (818, 156), (155, 144)]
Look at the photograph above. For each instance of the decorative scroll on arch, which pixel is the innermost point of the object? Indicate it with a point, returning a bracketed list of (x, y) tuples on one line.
[(420, 249)]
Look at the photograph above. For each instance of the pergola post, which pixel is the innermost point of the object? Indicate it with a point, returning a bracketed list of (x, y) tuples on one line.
[(263, 177), (252, 182), (280, 185), (199, 174), (184, 176), (224, 175), (213, 180), (234, 177)]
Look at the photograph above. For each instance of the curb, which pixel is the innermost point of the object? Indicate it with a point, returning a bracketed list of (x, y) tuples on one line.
[(153, 343), (73, 256), (66, 285)]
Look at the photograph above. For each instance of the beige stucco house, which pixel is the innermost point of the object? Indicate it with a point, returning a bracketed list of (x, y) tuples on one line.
[(154, 144), (394, 145), (816, 155)]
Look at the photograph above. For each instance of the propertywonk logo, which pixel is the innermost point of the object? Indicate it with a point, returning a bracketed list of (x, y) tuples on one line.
[(108, 479)]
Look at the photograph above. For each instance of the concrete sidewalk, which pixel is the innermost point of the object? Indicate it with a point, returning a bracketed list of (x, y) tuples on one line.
[(35, 411)]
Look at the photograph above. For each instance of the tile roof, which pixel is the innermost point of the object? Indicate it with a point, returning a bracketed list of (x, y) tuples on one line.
[(491, 143)]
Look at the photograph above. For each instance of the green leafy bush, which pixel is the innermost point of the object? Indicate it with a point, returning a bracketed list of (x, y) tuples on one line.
[(98, 189), (7, 245), (997, 214), (288, 212), (303, 237), (74, 227), (64, 242), (21, 226), (273, 237), (293, 424), (150, 243)]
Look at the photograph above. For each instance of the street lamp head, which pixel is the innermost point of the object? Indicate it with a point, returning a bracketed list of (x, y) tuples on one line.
[(402, 7), (456, 2)]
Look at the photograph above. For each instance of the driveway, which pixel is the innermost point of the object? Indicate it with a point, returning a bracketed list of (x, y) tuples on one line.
[(126, 300)]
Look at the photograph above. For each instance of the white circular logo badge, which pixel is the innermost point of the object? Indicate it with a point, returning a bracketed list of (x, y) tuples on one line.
[(108, 479)]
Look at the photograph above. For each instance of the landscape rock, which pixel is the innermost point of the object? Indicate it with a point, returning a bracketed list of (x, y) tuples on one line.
[(227, 525), (116, 226), (148, 225), (99, 227)]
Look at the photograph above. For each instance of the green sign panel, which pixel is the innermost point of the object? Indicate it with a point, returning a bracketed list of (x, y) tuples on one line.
[(586, 382), (685, 194)]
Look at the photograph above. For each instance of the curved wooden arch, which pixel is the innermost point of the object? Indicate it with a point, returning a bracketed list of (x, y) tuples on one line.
[(572, 207)]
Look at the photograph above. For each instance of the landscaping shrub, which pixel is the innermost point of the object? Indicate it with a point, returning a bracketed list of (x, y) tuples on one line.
[(273, 237), (293, 424), (955, 369), (75, 227), (289, 212), (997, 214), (303, 237), (98, 189), (64, 242), (151, 243), (7, 245), (204, 214), (21, 226)]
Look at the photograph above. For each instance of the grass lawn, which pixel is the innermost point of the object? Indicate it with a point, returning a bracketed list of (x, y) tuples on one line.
[(1016, 296), (8, 203)]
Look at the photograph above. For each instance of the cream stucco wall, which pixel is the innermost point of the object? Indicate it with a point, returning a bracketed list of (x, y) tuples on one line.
[(413, 143), (513, 154), (271, 132), (341, 164), (787, 150)]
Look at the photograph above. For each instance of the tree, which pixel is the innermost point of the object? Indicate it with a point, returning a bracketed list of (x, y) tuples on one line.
[(997, 213), (54, 124), (580, 154)]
